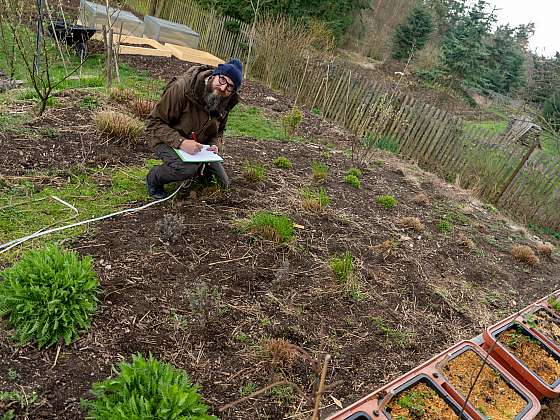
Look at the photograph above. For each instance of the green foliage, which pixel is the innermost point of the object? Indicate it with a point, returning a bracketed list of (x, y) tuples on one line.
[(147, 389), (276, 227), (254, 172), (355, 171), (386, 143), (445, 225), (283, 162), (248, 121), (50, 294), (315, 199), (89, 102), (290, 121), (342, 266), (353, 180), (247, 389), (412, 35), (319, 171), (554, 303), (415, 401), (401, 338), (387, 201)]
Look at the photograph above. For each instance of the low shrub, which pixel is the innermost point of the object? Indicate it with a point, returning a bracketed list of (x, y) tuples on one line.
[(118, 127), (387, 201), (50, 294), (319, 171), (147, 389), (315, 199), (254, 172), (283, 162), (524, 254), (445, 225), (275, 227), (291, 121), (353, 180)]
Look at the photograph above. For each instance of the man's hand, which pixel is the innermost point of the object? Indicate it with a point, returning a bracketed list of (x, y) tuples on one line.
[(191, 147), (213, 148)]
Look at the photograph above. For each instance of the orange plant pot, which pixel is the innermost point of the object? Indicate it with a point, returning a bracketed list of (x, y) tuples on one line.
[(516, 367), (372, 406), (555, 344), (532, 404)]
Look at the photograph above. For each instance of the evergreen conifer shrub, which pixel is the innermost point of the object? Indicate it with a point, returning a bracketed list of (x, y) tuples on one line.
[(48, 295), (147, 389), (413, 34)]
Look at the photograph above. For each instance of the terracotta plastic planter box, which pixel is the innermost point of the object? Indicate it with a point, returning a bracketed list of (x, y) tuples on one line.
[(519, 351), (368, 408), (496, 394), (545, 324)]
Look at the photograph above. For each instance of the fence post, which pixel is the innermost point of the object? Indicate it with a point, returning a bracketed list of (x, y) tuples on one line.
[(516, 171)]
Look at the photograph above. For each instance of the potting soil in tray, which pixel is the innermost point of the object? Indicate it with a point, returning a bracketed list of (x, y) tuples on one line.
[(546, 324), (419, 402), (491, 394), (530, 352)]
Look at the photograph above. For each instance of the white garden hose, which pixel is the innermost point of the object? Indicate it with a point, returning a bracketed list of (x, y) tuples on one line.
[(9, 245)]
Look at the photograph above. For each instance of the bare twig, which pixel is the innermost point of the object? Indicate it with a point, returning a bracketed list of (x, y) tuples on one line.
[(321, 387)]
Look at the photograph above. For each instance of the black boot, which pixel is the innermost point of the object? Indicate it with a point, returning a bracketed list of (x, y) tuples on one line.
[(155, 191)]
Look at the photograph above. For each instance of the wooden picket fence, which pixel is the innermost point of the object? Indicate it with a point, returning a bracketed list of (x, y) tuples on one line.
[(439, 141)]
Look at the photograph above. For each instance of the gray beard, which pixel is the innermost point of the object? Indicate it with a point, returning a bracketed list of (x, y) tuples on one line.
[(214, 103)]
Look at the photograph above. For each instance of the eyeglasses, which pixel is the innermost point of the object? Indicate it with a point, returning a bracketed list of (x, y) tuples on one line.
[(223, 81)]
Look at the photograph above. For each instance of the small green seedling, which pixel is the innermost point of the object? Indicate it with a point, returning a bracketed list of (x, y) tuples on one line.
[(283, 162), (275, 227), (387, 201), (445, 225), (554, 303), (254, 172), (319, 171), (315, 199), (355, 172), (291, 121), (353, 180), (342, 266), (247, 389)]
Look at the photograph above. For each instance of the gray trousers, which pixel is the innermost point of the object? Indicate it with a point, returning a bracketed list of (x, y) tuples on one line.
[(175, 170)]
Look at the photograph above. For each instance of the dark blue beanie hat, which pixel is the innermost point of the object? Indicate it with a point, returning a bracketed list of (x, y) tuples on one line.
[(232, 69)]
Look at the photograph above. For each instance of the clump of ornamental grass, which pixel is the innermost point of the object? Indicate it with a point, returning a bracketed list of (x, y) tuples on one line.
[(280, 352), (277, 228), (141, 108), (342, 267), (524, 254), (353, 180), (254, 172), (147, 389), (283, 162), (387, 201), (545, 248), (355, 172), (49, 295), (121, 95), (445, 225), (465, 241), (118, 127), (421, 199), (315, 199), (319, 171), (412, 223)]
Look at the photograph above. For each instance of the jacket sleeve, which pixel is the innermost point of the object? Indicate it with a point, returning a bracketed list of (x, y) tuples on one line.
[(167, 112)]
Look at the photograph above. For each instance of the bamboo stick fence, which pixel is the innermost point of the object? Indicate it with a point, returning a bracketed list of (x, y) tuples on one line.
[(439, 141)]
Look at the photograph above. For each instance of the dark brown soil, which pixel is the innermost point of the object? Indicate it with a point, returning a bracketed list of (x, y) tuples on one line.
[(423, 294), (530, 352), (490, 395), (420, 402)]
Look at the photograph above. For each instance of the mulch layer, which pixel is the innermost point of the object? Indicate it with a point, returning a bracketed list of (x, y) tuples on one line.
[(421, 291)]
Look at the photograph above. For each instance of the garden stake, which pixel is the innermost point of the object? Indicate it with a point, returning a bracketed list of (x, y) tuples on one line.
[(321, 387)]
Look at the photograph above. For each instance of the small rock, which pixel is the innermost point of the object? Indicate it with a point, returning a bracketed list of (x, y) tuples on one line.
[(270, 99)]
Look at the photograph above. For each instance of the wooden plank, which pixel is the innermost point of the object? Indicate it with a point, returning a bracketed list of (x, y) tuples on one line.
[(126, 49), (429, 136), (192, 55), (436, 144)]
